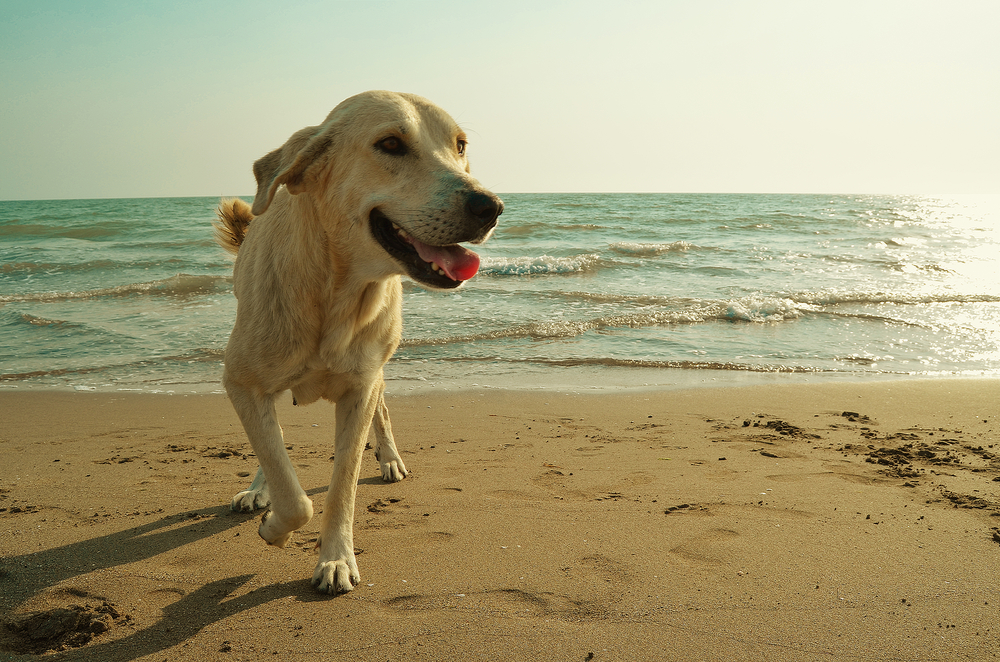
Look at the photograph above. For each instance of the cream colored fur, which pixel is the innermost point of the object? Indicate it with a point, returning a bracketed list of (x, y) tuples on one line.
[(319, 298)]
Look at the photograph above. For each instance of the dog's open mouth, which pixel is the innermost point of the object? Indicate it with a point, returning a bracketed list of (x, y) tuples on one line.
[(444, 267)]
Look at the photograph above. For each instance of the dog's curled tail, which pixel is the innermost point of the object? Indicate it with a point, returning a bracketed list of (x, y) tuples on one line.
[(231, 228)]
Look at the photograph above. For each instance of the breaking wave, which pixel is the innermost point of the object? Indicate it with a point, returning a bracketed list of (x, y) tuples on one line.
[(180, 286), (543, 264)]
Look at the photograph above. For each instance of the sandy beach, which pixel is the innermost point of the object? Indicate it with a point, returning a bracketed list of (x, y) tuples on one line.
[(822, 521)]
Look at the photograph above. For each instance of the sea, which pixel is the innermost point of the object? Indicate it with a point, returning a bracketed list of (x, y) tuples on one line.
[(576, 292)]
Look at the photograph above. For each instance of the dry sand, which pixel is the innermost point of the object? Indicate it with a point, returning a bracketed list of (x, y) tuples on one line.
[(784, 522)]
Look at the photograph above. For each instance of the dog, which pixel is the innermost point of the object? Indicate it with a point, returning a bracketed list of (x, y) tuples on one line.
[(379, 190)]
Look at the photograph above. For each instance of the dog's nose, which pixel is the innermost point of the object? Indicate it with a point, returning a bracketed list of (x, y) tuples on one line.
[(484, 206)]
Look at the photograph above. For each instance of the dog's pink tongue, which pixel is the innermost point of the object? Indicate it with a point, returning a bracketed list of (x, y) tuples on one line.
[(458, 262)]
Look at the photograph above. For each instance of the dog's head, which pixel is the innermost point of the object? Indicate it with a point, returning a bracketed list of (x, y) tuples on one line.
[(393, 168)]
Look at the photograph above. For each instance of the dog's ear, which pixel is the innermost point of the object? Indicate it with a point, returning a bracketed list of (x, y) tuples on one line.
[(287, 165)]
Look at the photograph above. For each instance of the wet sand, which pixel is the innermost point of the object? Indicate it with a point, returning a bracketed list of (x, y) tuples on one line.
[(848, 521)]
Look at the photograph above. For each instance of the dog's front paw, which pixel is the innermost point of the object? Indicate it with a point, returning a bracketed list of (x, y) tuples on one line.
[(276, 529), (272, 534), (337, 576), (250, 500)]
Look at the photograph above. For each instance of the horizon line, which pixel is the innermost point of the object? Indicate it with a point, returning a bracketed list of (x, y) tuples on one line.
[(787, 193)]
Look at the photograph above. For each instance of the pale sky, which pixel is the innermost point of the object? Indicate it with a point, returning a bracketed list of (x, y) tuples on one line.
[(138, 98)]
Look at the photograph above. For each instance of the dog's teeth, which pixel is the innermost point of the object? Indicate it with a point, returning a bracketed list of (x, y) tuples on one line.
[(435, 267)]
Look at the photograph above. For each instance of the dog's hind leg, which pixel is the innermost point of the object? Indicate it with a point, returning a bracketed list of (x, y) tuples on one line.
[(254, 497), (393, 469), (337, 569), (275, 482)]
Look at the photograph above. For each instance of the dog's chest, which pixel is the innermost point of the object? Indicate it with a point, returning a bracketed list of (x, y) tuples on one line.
[(360, 337), (346, 360)]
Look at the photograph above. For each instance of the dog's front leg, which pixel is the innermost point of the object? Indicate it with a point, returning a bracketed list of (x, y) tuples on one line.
[(337, 570), (275, 482)]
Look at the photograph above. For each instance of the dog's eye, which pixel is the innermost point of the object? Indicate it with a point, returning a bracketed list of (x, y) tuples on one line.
[(461, 146), (392, 145)]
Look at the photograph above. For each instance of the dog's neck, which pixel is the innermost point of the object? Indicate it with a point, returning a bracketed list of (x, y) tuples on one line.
[(329, 235), (355, 293)]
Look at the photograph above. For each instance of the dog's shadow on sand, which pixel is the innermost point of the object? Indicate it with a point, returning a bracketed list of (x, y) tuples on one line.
[(25, 576)]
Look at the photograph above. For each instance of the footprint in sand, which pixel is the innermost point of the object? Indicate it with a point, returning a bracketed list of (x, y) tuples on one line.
[(707, 548)]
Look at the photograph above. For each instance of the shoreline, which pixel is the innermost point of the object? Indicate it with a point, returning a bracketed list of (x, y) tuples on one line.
[(783, 521), (550, 379)]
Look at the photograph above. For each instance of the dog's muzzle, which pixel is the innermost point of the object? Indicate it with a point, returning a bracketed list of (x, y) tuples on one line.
[(440, 266)]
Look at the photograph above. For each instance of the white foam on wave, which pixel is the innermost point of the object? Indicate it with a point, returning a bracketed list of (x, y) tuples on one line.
[(761, 309), (543, 264), (634, 249), (755, 310)]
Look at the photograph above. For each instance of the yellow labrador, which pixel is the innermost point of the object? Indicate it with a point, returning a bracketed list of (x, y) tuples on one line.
[(380, 189)]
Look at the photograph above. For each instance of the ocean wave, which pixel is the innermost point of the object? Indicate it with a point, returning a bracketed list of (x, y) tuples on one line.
[(543, 264), (911, 268), (46, 267), (651, 250), (623, 299), (762, 309), (612, 362), (34, 320), (180, 286), (749, 309), (31, 268), (866, 317), (549, 228), (578, 226), (904, 242), (877, 297), (605, 362), (88, 232), (523, 229), (200, 355)]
